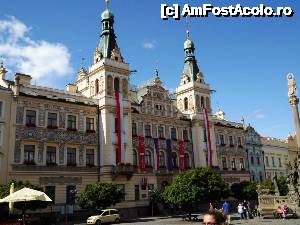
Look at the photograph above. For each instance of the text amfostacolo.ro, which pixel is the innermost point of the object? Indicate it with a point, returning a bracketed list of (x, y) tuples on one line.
[(176, 11)]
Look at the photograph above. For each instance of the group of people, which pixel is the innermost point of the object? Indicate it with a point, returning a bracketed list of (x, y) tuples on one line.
[(281, 212), (243, 210)]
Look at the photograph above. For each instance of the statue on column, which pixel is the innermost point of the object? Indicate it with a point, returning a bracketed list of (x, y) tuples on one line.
[(291, 85)]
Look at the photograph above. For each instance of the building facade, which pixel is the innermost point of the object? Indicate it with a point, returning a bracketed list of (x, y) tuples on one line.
[(276, 157), (255, 155), (102, 129), (231, 149)]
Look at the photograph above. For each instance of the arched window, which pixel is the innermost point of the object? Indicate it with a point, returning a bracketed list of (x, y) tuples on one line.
[(174, 159), (186, 103), (109, 85), (162, 160), (198, 102), (117, 84), (148, 159), (135, 158), (96, 86), (187, 161), (202, 102)]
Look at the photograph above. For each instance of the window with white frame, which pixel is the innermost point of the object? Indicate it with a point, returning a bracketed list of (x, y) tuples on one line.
[(148, 130), (51, 155), (173, 133), (161, 133), (71, 156), (233, 164), (222, 140), (29, 152), (52, 120), (135, 158), (185, 135), (90, 157), (90, 124), (30, 118), (71, 122)]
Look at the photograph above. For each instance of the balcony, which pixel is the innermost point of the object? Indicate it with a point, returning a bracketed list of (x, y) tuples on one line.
[(123, 170)]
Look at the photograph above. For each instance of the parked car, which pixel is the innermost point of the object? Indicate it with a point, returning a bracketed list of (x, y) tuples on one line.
[(105, 216)]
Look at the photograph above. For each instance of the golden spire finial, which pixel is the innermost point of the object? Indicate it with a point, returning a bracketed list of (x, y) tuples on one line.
[(107, 4)]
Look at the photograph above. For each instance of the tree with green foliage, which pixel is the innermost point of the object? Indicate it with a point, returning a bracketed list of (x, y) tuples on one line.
[(196, 186), (100, 195), (282, 186), (245, 190), (268, 185), (18, 185)]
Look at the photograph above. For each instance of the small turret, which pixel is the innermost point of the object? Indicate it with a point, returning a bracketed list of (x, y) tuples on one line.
[(3, 71)]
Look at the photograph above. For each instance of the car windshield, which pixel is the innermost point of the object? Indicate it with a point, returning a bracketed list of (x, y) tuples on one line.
[(101, 212)]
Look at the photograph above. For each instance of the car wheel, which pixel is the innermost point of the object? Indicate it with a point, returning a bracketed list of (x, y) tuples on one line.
[(117, 220), (98, 222)]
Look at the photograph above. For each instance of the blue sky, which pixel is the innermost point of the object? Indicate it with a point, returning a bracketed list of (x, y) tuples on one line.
[(245, 60)]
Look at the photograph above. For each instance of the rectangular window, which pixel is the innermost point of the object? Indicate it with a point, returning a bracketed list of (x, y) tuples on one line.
[(242, 165), (267, 161), (185, 135), (122, 188), (30, 118), (70, 194), (71, 122), (258, 160), (273, 162), (224, 163), (161, 132), (222, 141), (1, 109), (51, 155), (239, 141), (52, 120), (134, 130), (137, 192), (50, 191), (71, 156), (147, 130), (29, 151), (90, 124), (173, 134), (90, 157), (230, 140), (116, 125), (279, 162), (233, 165)]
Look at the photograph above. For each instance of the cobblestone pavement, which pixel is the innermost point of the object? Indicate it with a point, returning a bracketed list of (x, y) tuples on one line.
[(167, 221), (179, 221)]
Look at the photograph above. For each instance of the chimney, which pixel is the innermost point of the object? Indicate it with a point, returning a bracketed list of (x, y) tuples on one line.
[(3, 71)]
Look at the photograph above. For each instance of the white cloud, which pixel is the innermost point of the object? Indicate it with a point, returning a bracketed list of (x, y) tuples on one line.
[(150, 44), (256, 114), (38, 58)]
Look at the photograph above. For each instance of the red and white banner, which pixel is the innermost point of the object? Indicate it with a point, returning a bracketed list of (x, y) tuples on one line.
[(207, 129), (142, 164), (181, 155)]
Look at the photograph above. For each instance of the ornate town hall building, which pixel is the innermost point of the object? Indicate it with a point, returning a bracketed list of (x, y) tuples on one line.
[(100, 129)]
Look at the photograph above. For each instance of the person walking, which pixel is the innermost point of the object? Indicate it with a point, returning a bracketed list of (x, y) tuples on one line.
[(241, 211), (246, 209), (226, 211)]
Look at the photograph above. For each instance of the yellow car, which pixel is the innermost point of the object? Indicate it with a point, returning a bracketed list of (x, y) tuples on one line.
[(105, 216)]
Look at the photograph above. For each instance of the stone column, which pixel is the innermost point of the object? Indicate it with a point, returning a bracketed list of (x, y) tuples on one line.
[(293, 100)]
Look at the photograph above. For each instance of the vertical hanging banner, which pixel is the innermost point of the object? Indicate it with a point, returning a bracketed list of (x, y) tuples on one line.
[(156, 154), (169, 155), (206, 121), (181, 155), (117, 95), (142, 164)]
